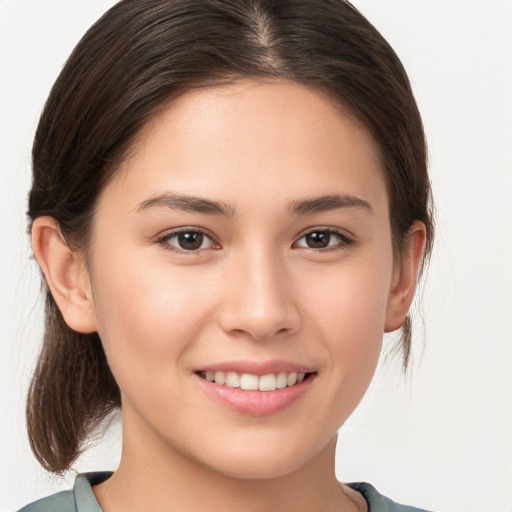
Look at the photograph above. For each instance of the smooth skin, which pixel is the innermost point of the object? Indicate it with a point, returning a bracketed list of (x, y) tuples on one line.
[(268, 272)]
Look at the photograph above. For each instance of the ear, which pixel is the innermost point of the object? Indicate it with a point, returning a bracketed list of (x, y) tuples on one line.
[(405, 277), (66, 275)]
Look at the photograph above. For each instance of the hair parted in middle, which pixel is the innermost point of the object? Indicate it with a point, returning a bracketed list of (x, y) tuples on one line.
[(136, 59)]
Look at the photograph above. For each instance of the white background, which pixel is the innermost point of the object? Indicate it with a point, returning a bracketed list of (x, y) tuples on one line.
[(440, 438)]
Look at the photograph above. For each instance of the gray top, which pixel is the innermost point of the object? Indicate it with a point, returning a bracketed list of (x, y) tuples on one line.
[(82, 499)]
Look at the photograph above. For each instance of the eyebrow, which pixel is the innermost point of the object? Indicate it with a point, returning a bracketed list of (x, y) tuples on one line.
[(193, 204), (327, 203), (185, 203)]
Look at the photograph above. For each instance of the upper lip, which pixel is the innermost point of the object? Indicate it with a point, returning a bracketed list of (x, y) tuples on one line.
[(256, 367)]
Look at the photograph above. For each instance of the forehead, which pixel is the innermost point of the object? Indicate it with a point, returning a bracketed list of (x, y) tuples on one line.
[(252, 139)]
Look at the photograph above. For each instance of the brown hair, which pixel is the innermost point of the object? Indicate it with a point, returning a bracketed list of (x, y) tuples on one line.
[(137, 57)]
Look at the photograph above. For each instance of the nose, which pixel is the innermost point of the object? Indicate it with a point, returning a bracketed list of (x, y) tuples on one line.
[(258, 298)]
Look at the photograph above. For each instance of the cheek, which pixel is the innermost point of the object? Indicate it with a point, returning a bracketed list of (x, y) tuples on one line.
[(352, 300), (147, 318), (350, 314)]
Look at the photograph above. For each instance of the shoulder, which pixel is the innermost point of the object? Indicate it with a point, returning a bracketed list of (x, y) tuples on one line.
[(377, 502), (60, 502), (79, 499)]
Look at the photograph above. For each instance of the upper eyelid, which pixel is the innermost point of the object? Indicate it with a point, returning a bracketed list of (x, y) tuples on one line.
[(186, 229), (329, 229)]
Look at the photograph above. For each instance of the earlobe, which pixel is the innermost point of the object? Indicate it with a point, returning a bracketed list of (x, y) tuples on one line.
[(406, 275), (65, 274)]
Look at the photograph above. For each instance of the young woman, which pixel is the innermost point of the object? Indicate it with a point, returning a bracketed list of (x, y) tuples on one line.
[(230, 207)]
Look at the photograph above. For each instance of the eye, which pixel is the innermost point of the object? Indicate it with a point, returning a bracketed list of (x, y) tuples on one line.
[(187, 241), (323, 239)]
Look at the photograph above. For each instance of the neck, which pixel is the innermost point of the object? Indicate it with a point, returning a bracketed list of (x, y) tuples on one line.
[(161, 478)]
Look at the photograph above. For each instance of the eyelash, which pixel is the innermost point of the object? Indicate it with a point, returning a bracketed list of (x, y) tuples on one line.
[(343, 240), (164, 241)]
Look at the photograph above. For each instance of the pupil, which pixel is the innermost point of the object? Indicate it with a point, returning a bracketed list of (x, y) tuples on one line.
[(318, 239), (190, 241)]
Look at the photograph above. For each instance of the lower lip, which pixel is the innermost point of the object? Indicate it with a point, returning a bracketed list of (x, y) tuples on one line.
[(257, 403)]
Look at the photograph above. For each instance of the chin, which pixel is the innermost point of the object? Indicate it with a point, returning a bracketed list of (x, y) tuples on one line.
[(274, 461), (257, 469)]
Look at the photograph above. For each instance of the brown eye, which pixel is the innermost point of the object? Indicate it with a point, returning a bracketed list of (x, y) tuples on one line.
[(317, 239), (323, 239), (187, 241), (190, 241)]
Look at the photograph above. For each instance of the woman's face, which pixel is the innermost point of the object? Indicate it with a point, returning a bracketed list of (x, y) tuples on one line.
[(246, 238)]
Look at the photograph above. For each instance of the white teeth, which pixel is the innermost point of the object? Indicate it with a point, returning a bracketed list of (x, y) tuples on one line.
[(267, 382), (220, 378), (250, 382), (291, 379), (232, 380), (281, 380)]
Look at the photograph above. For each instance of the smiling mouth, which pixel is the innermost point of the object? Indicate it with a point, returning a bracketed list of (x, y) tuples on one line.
[(251, 382)]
